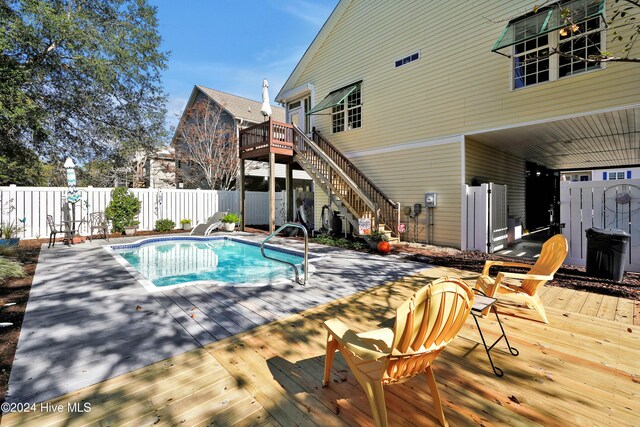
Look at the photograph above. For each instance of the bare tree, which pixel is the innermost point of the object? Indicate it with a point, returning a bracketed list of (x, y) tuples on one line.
[(207, 147)]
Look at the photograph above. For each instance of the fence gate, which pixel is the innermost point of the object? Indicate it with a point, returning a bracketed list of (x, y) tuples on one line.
[(611, 204), (485, 217)]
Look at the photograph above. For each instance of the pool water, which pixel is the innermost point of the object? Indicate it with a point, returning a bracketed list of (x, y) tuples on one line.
[(169, 263)]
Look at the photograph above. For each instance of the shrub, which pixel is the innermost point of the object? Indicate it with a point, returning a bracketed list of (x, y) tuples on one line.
[(123, 209), (340, 242), (165, 225), (230, 218), (9, 268), (9, 231), (185, 221)]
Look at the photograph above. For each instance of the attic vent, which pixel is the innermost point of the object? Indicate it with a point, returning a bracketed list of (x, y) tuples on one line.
[(407, 59)]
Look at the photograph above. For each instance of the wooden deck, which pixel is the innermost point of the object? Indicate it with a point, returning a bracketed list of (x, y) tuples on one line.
[(581, 369)]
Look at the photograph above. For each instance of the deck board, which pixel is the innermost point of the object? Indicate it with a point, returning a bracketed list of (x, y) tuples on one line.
[(624, 311), (577, 302), (577, 370), (592, 304), (607, 309)]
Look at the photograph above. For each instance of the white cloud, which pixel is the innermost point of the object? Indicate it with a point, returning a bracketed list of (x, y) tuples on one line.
[(313, 13)]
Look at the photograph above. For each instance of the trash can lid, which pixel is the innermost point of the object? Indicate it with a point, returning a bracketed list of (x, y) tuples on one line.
[(608, 232)]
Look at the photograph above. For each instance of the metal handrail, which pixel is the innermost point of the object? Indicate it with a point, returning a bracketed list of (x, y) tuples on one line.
[(306, 251)]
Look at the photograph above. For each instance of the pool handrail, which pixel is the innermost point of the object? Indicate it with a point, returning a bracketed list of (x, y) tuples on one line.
[(306, 251)]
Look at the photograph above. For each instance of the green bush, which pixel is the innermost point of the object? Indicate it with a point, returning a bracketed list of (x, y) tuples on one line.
[(123, 209), (230, 218), (340, 242), (185, 221), (9, 268), (165, 225)]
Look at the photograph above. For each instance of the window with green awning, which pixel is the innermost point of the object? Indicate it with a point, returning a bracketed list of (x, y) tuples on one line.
[(335, 98), (546, 20)]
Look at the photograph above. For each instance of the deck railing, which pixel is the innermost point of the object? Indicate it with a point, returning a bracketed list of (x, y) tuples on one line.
[(310, 156), (267, 137), (361, 196)]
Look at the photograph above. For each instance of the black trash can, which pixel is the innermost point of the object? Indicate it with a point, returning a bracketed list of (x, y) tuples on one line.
[(606, 253)]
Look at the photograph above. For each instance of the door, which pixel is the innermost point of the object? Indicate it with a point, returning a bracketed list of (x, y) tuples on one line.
[(296, 114), (485, 210)]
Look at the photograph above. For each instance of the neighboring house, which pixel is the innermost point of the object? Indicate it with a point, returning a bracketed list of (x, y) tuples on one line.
[(152, 170), (439, 95), (160, 169), (609, 174), (237, 113)]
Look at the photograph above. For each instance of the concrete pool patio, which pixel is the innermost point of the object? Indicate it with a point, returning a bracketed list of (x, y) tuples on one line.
[(88, 319), (255, 358)]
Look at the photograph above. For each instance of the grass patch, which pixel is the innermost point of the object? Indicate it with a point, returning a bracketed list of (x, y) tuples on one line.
[(10, 269)]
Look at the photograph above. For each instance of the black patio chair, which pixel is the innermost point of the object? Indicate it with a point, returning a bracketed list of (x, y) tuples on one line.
[(53, 230)]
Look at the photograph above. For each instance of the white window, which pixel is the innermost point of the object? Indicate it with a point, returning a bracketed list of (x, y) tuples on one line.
[(616, 175), (346, 107), (348, 112), (582, 43), (533, 63), (554, 42)]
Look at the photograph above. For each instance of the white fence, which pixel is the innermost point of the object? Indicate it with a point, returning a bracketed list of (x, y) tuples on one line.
[(600, 204), (484, 218), (33, 204)]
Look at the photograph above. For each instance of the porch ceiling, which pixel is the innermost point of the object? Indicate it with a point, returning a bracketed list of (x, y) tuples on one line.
[(603, 139)]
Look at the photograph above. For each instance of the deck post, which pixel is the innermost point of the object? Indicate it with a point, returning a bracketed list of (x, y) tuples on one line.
[(289, 190), (272, 192), (242, 194)]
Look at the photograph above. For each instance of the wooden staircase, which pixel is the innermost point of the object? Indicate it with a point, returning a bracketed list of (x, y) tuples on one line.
[(347, 187)]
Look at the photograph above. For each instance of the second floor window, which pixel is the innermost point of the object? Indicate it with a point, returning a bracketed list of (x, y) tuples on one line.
[(554, 42), (348, 114), (533, 62)]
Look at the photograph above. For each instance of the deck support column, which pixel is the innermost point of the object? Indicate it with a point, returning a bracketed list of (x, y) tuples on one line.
[(289, 189), (242, 194), (272, 192)]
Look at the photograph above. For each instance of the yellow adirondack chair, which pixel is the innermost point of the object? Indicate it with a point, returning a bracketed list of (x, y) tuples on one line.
[(553, 253), (423, 327)]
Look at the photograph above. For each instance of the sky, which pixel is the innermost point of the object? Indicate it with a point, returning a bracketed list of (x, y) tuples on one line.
[(232, 45)]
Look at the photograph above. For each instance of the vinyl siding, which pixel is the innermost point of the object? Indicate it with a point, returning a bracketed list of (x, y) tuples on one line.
[(457, 87), (500, 168), (407, 175)]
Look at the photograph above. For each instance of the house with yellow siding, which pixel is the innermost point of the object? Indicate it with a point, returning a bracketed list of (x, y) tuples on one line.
[(432, 96)]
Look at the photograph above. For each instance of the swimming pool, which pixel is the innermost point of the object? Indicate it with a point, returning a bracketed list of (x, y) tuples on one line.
[(164, 263)]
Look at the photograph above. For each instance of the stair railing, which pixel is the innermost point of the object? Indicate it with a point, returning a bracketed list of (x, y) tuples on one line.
[(341, 183), (388, 210)]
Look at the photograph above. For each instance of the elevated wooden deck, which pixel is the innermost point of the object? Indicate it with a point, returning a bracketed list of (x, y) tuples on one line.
[(581, 369), (258, 141)]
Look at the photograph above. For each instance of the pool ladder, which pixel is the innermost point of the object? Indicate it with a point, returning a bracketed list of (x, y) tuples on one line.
[(306, 251)]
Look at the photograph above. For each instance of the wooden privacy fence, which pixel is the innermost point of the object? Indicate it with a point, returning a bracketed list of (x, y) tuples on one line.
[(33, 204), (611, 204), (484, 217)]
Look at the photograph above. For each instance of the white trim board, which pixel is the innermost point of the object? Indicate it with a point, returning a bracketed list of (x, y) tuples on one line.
[(406, 146)]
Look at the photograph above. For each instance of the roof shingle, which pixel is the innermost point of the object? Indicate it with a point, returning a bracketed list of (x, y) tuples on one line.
[(240, 107)]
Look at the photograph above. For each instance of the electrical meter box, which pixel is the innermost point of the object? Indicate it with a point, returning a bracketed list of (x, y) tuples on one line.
[(430, 200)]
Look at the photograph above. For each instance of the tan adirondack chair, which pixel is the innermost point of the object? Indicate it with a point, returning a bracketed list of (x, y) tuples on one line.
[(424, 325), (552, 255)]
